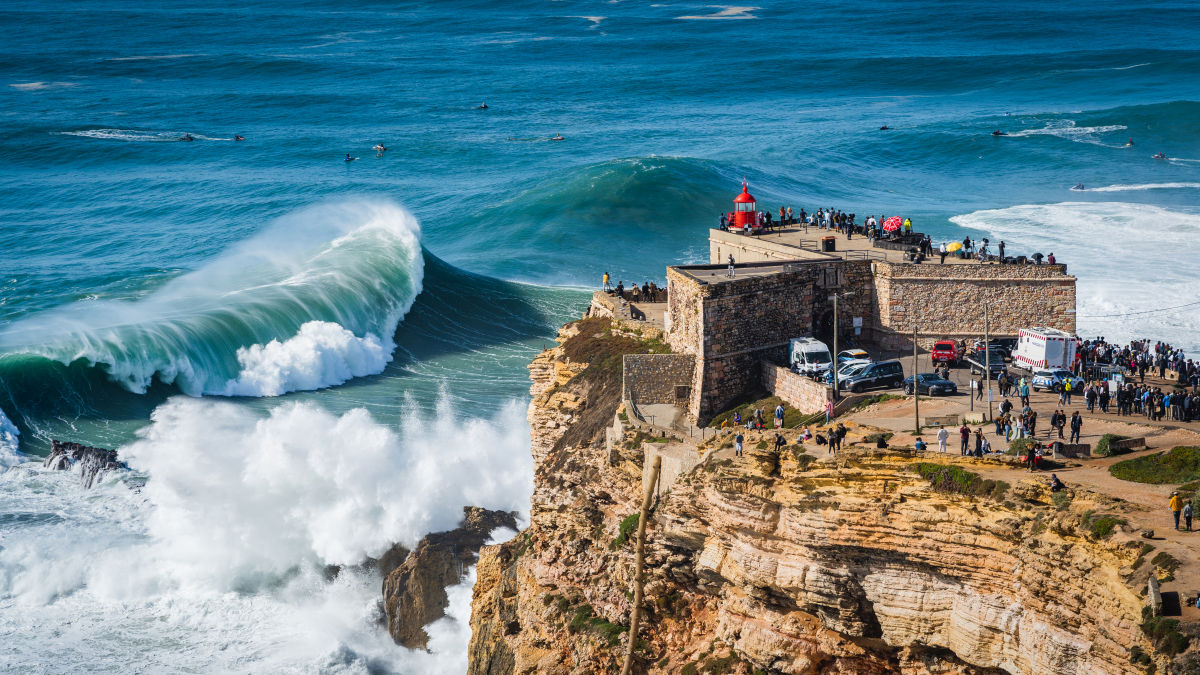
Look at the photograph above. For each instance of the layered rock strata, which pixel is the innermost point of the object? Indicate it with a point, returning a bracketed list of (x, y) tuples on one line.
[(792, 564), (414, 591)]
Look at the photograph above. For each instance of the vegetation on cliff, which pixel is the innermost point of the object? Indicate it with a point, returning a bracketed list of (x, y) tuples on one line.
[(1179, 465), (956, 480)]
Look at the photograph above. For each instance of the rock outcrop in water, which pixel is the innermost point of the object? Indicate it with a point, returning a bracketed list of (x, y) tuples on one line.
[(93, 463), (414, 591), (792, 563)]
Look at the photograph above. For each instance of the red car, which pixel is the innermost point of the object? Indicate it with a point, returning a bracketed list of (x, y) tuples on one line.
[(945, 351)]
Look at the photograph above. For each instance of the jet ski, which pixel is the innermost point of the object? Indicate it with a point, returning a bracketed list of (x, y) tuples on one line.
[(884, 128), (379, 148), (1161, 155), (187, 138), (1077, 186), (998, 133), (239, 137), (558, 137)]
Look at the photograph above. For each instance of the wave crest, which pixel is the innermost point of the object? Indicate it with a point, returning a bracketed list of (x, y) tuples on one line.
[(239, 325)]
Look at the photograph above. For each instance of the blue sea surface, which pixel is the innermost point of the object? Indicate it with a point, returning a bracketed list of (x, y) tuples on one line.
[(137, 269)]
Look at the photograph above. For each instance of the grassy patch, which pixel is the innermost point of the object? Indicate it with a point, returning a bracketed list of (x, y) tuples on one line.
[(1102, 445), (792, 418), (1060, 499), (1179, 465), (584, 618), (1167, 563), (874, 438), (625, 532), (1164, 633), (955, 480), (1099, 525), (1020, 446), (872, 400)]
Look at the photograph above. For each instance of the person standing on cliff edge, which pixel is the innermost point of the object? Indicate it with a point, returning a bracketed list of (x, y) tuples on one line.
[(965, 435), (605, 278), (942, 437), (737, 444)]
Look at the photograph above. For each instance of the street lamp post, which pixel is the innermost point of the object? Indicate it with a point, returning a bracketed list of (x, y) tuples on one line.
[(833, 360)]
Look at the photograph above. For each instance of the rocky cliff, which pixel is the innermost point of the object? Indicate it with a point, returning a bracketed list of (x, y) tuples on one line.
[(871, 562)]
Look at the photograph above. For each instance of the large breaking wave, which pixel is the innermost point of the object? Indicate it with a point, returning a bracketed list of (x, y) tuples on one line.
[(310, 302)]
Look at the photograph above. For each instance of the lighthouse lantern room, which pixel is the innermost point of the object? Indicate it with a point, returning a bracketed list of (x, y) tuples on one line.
[(744, 218)]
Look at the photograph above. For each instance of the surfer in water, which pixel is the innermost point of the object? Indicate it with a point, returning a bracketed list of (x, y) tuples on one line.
[(239, 137), (187, 138), (379, 149), (483, 106), (1129, 143), (998, 133), (884, 128), (349, 158)]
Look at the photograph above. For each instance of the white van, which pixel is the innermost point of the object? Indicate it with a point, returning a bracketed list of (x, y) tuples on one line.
[(808, 356), (1044, 349)]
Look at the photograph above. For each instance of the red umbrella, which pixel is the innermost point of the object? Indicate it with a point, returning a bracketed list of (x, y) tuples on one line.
[(891, 224)]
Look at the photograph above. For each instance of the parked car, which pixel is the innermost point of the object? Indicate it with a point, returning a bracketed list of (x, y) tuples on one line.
[(852, 355), (991, 360), (846, 370), (1002, 345), (945, 351), (1055, 379), (931, 384), (883, 374)]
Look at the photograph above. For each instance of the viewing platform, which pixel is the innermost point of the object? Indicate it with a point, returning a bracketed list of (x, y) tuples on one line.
[(796, 242)]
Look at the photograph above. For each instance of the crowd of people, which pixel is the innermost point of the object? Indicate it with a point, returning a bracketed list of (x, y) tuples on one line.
[(647, 292)]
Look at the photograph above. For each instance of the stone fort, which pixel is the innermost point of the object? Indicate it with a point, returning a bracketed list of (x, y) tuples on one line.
[(736, 329)]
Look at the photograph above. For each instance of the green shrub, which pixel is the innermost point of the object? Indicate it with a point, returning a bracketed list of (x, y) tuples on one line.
[(1180, 465), (1101, 526), (1102, 449), (874, 438), (584, 618), (1060, 499), (1165, 635), (625, 530), (689, 669), (1166, 562), (761, 445), (1019, 446), (955, 480)]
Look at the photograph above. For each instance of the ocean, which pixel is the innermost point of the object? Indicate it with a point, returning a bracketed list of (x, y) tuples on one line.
[(307, 359)]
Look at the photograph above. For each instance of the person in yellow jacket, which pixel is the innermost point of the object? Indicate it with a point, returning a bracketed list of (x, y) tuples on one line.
[(907, 226), (1176, 505)]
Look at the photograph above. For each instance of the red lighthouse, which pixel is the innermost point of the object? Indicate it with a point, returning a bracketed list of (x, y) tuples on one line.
[(744, 218)]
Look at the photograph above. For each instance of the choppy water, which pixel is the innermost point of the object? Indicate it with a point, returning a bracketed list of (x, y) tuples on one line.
[(264, 328)]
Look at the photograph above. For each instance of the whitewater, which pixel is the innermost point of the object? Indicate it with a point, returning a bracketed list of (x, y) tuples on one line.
[(305, 360)]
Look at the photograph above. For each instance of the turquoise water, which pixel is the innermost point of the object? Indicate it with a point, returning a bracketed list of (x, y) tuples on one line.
[(228, 289)]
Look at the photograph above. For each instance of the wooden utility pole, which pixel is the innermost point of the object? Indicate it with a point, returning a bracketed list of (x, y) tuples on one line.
[(834, 363), (916, 387), (987, 358), (639, 579)]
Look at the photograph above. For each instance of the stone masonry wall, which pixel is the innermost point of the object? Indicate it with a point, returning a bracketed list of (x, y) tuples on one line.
[(652, 378), (796, 390), (946, 301), (754, 248)]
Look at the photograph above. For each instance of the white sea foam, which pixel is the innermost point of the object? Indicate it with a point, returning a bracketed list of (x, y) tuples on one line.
[(321, 355), (1143, 186), (216, 564), (1068, 130), (138, 135), (726, 12), (153, 57), (1127, 258), (10, 443), (38, 86)]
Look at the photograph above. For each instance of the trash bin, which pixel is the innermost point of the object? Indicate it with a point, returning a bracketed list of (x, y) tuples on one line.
[(828, 244)]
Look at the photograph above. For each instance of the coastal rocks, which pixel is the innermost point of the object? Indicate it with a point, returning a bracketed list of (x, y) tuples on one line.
[(845, 565), (414, 590), (93, 463)]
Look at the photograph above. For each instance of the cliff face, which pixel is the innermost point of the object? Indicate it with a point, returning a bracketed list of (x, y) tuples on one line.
[(786, 563)]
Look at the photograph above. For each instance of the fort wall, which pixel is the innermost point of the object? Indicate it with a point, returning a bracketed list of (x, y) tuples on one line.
[(759, 248), (653, 378), (798, 391)]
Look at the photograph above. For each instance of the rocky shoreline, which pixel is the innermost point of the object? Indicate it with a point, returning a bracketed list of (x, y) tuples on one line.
[(870, 562)]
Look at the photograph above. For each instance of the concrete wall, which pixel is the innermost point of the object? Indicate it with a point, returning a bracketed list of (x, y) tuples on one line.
[(754, 248), (797, 391), (652, 378)]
